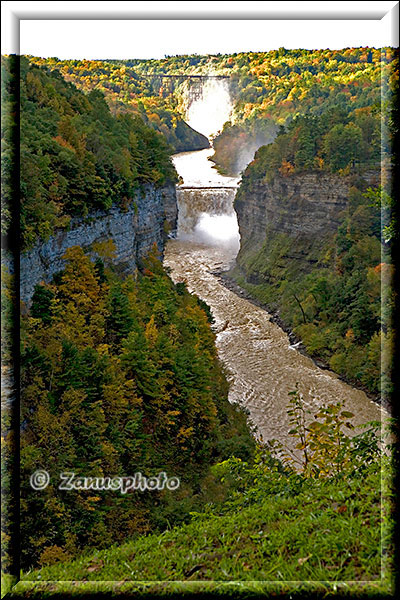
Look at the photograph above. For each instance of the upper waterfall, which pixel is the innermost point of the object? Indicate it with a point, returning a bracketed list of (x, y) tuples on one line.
[(209, 106)]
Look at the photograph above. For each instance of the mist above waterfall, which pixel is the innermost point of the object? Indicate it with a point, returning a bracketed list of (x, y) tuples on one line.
[(207, 216), (218, 230), (209, 106)]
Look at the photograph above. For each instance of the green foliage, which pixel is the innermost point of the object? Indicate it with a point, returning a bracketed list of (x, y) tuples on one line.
[(75, 156), (315, 142), (9, 135), (7, 312), (268, 88), (118, 377), (127, 91), (120, 318), (380, 198), (121, 376), (42, 303), (275, 523), (342, 145), (324, 450)]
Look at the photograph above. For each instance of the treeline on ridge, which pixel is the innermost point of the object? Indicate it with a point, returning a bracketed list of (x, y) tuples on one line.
[(335, 141), (271, 89)]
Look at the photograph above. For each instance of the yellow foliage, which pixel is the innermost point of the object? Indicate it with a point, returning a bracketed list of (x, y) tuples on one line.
[(286, 168), (172, 413), (106, 249), (52, 555), (151, 331), (103, 349), (184, 433)]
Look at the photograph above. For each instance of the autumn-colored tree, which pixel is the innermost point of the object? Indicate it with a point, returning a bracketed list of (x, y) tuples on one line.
[(117, 376)]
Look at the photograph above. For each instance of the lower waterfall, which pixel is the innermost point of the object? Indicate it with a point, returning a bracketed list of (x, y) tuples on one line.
[(262, 366)]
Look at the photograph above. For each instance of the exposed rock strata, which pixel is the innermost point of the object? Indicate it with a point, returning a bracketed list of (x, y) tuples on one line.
[(149, 218), (304, 210)]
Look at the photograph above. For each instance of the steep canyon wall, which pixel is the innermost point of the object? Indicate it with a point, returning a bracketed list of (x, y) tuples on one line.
[(286, 222), (149, 218)]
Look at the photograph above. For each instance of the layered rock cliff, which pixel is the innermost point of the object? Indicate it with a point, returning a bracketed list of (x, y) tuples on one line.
[(311, 252), (286, 222), (150, 218)]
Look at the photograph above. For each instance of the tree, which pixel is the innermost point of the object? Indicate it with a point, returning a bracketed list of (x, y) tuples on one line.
[(342, 146), (42, 301)]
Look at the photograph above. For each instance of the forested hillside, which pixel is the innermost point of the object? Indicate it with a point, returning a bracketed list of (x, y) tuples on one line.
[(333, 286), (335, 141), (273, 88), (127, 91), (325, 278), (118, 377), (76, 156)]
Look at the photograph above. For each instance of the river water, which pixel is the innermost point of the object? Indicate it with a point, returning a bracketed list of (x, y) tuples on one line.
[(261, 365)]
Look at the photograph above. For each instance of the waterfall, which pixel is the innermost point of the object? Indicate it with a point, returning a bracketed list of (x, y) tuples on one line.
[(207, 216), (205, 200), (209, 105)]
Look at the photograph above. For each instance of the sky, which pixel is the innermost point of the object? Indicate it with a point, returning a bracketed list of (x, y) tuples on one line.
[(216, 27)]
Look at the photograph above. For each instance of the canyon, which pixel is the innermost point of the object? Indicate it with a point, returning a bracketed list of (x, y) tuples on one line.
[(211, 224), (221, 223)]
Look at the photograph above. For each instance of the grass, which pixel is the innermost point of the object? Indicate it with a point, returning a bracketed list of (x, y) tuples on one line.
[(7, 583), (190, 589), (330, 532)]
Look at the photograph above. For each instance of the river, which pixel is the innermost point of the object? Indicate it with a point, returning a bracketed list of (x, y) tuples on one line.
[(261, 365)]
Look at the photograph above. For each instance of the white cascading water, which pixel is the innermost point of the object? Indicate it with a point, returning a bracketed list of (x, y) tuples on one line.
[(211, 108), (261, 365), (206, 214)]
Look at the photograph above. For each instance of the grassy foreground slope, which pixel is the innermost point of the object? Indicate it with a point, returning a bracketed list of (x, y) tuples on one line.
[(320, 515), (327, 531)]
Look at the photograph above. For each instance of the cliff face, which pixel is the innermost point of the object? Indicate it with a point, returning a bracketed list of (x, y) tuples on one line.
[(150, 217), (284, 224), (305, 204), (311, 253)]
